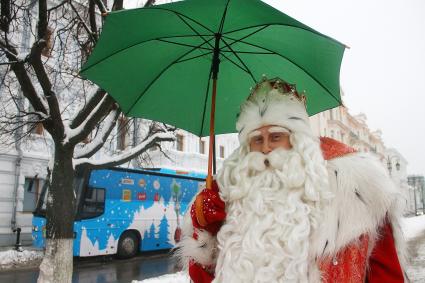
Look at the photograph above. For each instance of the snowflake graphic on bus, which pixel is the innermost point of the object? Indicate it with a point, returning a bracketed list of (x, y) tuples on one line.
[(121, 211)]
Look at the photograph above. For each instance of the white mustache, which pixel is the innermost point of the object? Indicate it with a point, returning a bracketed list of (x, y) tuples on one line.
[(286, 165)]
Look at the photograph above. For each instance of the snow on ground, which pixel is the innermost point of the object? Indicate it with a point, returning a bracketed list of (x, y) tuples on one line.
[(179, 277), (413, 226), (11, 258)]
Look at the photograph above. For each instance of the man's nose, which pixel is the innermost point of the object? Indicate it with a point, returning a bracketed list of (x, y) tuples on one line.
[(266, 147)]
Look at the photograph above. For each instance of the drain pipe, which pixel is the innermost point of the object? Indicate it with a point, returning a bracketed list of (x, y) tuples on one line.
[(18, 133), (17, 175)]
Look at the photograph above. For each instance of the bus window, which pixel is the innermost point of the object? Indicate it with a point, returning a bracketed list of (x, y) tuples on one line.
[(94, 203)]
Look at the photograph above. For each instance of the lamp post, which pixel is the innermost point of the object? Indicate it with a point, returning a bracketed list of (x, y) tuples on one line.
[(390, 165)]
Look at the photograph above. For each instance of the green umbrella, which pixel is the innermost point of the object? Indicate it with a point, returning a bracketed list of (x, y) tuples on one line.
[(167, 62)]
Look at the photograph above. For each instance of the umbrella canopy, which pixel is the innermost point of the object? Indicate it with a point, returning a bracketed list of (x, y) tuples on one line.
[(158, 62)]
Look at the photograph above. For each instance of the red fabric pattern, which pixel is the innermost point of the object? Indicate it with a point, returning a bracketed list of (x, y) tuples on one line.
[(213, 210), (349, 266), (198, 274), (384, 265), (333, 149)]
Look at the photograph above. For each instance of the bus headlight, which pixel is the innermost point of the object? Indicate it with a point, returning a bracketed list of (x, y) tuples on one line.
[(35, 228)]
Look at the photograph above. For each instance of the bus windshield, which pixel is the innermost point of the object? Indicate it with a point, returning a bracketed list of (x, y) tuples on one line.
[(80, 181)]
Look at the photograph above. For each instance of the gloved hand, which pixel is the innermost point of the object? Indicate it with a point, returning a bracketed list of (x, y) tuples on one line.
[(213, 212)]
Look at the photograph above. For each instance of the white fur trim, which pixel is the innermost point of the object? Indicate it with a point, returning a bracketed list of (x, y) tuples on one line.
[(364, 195), (272, 108), (277, 129), (203, 250)]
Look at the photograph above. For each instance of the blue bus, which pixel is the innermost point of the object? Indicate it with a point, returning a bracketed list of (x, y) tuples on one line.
[(121, 211)]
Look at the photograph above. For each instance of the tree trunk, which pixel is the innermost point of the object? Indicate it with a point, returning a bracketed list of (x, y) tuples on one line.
[(56, 266)]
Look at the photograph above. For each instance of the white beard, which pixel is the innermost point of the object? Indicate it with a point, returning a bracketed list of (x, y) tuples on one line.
[(271, 212)]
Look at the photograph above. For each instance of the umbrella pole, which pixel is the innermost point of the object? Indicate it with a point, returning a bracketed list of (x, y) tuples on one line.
[(199, 199), (212, 137)]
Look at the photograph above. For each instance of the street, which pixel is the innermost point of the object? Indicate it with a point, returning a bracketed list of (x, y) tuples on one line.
[(147, 265), (105, 269)]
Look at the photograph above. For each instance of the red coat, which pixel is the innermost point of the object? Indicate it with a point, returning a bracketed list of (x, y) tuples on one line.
[(351, 265)]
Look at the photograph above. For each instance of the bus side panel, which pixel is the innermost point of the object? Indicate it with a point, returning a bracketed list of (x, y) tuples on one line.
[(152, 205), (38, 232)]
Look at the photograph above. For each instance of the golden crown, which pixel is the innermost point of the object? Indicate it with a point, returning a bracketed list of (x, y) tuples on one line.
[(284, 88)]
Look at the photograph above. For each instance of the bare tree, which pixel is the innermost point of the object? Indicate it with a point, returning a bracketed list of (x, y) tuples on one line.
[(40, 88)]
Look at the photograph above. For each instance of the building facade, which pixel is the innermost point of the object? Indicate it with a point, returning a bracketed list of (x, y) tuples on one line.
[(417, 183)]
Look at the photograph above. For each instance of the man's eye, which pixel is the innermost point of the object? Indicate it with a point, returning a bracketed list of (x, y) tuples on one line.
[(257, 140), (277, 137)]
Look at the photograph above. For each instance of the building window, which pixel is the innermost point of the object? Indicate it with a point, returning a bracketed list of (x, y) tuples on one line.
[(221, 151), (32, 190), (179, 142), (201, 146), (332, 134), (122, 133)]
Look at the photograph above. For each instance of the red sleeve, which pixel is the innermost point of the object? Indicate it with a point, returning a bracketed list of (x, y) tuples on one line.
[(199, 274), (384, 265), (213, 210)]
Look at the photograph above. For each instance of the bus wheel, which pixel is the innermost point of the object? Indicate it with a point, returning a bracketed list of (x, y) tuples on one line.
[(128, 245)]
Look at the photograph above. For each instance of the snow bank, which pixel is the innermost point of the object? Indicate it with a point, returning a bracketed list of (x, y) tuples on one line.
[(11, 258), (179, 277), (413, 226)]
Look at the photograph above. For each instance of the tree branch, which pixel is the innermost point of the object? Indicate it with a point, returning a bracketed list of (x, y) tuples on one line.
[(84, 129), (55, 125), (24, 80), (100, 139), (118, 5), (92, 19), (93, 39), (5, 15), (149, 3), (128, 154), (101, 6), (88, 108)]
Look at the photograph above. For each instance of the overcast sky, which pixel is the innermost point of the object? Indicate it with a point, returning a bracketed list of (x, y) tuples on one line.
[(383, 72)]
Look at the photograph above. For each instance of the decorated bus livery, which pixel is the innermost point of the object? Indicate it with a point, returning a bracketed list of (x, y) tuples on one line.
[(119, 208)]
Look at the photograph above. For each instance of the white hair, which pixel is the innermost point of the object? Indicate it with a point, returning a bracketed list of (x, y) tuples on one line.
[(273, 203)]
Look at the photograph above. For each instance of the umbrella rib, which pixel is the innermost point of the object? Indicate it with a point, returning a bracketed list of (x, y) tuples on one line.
[(135, 44), (236, 64), (159, 75), (240, 60), (194, 30), (248, 35), (220, 29), (301, 68), (248, 52), (288, 25), (183, 44), (183, 15)]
